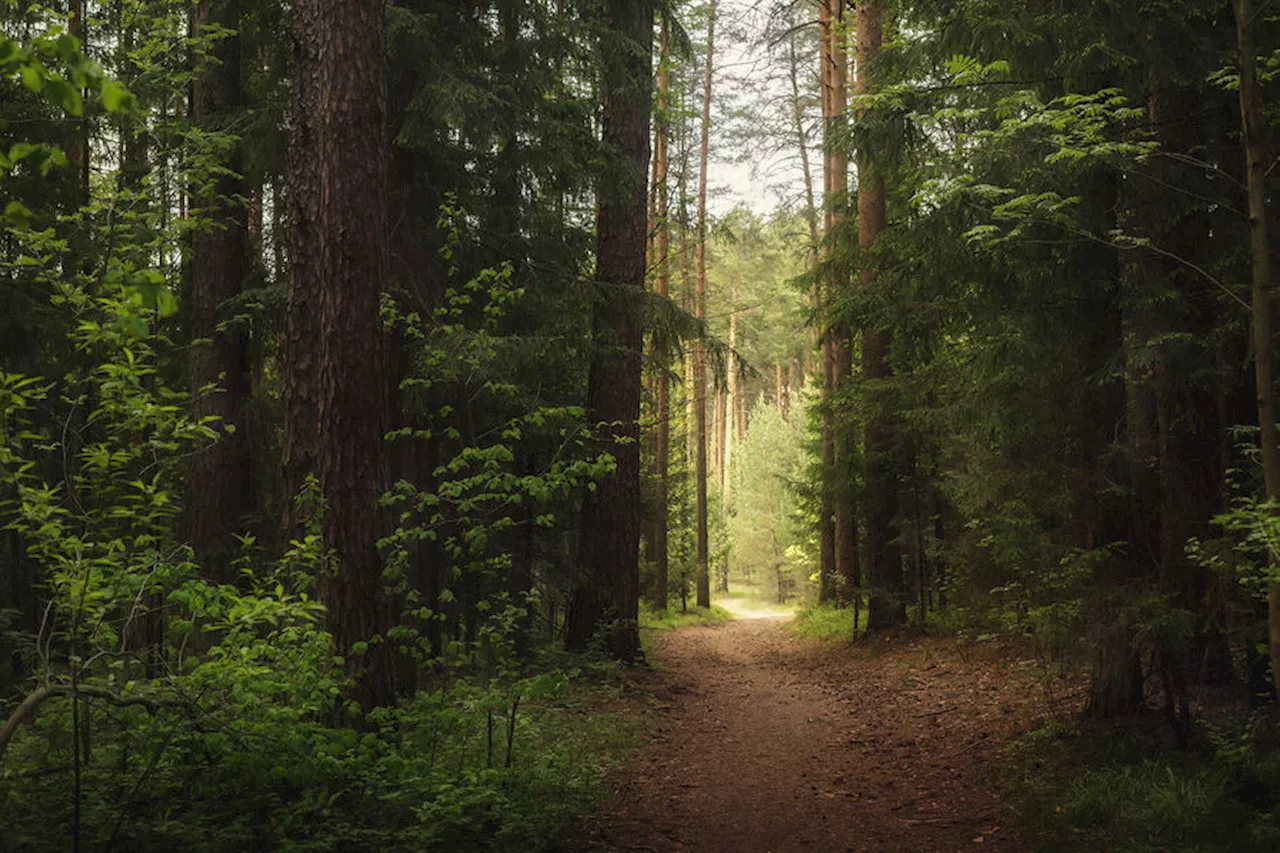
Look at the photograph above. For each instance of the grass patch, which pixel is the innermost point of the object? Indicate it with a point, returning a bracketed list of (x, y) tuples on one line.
[(669, 620), (1090, 792), (825, 622)]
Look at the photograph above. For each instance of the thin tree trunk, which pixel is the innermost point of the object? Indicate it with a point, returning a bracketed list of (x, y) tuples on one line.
[(827, 544), (662, 257), (78, 150), (700, 350), (607, 592), (1256, 166), (722, 436), (731, 403), (887, 605), (837, 160)]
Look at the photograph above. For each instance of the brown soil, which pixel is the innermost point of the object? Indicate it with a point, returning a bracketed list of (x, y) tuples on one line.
[(769, 744)]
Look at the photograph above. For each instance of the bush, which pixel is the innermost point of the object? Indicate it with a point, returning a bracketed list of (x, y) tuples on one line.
[(825, 622)]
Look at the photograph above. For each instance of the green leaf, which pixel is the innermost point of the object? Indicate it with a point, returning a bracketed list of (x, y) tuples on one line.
[(17, 215), (166, 303), (32, 78), (60, 93), (115, 97), (66, 47)]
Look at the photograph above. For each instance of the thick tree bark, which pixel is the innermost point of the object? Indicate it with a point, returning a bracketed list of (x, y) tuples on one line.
[(335, 385), (220, 481), (1256, 165), (607, 594), (887, 606), (700, 350), (662, 258)]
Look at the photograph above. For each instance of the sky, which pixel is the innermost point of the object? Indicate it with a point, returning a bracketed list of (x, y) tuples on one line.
[(744, 173)]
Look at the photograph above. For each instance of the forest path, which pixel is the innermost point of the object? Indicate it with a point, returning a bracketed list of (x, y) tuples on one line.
[(772, 744)]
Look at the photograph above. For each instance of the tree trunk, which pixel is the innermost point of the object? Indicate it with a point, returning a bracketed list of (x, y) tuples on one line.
[(731, 404), (662, 257), (700, 350), (828, 577), (337, 378), (78, 149), (1256, 166), (607, 594), (220, 484), (887, 606), (844, 504)]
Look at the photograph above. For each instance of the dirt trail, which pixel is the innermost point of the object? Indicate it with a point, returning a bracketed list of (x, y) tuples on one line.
[(771, 744)]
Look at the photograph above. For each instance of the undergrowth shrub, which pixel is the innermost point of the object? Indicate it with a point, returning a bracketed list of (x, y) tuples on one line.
[(1088, 792), (825, 622)]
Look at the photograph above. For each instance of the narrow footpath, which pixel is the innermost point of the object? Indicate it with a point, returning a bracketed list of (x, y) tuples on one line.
[(769, 744)]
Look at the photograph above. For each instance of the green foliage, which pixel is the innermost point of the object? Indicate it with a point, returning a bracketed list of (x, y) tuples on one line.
[(1080, 796), (828, 623), (762, 526), (167, 711), (669, 620)]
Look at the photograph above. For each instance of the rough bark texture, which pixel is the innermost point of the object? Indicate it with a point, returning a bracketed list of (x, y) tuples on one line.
[(887, 606), (300, 443), (220, 481), (700, 350), (335, 382), (1256, 166), (607, 594)]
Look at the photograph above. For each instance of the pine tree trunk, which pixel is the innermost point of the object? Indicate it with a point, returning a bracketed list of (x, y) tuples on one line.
[(220, 484), (731, 404), (700, 350), (607, 592), (662, 258), (1256, 166), (887, 606), (844, 504), (337, 378), (828, 576), (78, 149)]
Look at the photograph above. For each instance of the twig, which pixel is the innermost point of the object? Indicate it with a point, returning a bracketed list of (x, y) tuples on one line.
[(938, 713), (38, 697)]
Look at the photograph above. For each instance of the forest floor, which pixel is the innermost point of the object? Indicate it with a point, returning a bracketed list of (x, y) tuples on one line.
[(767, 743)]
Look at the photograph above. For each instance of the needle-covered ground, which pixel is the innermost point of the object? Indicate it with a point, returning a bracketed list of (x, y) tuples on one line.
[(767, 742)]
